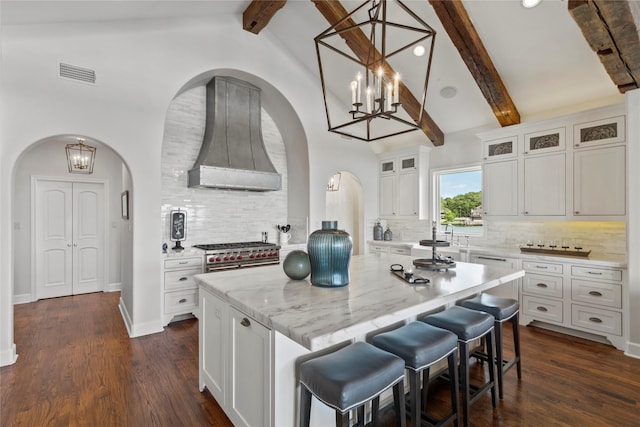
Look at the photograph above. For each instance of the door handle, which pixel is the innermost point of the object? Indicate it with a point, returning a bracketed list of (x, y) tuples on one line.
[(245, 322)]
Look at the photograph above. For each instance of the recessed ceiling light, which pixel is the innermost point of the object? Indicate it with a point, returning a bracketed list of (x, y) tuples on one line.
[(448, 92), (419, 50), (530, 3)]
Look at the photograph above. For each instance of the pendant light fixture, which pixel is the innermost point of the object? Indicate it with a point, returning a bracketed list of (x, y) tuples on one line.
[(80, 157), (371, 62)]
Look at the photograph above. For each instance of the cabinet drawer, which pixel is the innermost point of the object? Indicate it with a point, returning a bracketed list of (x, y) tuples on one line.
[(596, 319), (542, 267), (181, 279), (182, 263), (542, 308), (180, 301), (596, 273), (401, 251), (539, 284), (608, 294), (379, 249)]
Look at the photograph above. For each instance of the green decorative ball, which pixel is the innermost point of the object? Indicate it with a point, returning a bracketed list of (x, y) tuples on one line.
[(296, 265)]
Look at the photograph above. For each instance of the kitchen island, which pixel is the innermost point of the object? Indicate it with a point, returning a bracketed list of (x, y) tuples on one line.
[(257, 325)]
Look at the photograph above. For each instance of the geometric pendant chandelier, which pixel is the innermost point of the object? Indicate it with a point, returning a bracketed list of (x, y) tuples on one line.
[(374, 70), (80, 157)]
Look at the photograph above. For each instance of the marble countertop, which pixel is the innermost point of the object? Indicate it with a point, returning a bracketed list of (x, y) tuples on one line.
[(318, 317), (596, 260)]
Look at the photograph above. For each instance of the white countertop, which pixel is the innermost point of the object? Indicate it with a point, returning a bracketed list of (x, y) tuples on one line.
[(318, 317), (596, 260)]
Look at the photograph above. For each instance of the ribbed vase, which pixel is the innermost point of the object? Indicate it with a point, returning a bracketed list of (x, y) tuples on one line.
[(329, 252)]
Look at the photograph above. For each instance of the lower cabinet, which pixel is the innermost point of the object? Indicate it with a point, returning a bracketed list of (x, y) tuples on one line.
[(180, 291), (235, 361), (578, 297)]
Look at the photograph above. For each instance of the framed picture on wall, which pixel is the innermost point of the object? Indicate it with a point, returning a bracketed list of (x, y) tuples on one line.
[(124, 204)]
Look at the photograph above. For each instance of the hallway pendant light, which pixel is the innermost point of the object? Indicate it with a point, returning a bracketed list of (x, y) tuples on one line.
[(371, 79), (80, 157)]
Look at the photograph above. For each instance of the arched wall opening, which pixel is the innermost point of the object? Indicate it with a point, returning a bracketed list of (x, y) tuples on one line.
[(345, 204)]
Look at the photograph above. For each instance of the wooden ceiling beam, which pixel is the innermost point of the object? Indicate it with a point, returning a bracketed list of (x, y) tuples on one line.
[(456, 22), (611, 31), (359, 43), (258, 14)]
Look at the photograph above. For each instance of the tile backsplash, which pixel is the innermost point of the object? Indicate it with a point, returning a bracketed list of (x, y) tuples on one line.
[(215, 215)]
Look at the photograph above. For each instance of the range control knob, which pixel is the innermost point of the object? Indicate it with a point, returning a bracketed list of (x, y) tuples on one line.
[(218, 259), (232, 257), (252, 256), (239, 257), (212, 259), (226, 258)]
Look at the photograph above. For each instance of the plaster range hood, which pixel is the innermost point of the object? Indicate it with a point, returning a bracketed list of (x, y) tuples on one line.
[(232, 155)]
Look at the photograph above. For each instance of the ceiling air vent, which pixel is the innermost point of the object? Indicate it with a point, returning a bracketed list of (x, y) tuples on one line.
[(77, 73)]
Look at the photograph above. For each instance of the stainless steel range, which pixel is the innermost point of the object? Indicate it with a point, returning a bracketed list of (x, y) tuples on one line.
[(223, 256)]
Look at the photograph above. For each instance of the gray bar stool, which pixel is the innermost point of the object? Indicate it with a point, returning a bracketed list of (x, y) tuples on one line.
[(350, 377), (421, 346), (468, 325), (502, 310)]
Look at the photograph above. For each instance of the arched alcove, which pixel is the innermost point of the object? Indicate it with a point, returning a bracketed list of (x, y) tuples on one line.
[(345, 204)]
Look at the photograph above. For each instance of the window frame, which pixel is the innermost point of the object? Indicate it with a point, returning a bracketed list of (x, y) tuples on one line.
[(435, 190)]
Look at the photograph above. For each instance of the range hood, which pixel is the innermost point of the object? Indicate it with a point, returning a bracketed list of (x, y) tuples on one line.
[(233, 155)]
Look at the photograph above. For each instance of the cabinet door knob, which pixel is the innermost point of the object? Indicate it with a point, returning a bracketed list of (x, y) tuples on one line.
[(245, 322), (595, 294)]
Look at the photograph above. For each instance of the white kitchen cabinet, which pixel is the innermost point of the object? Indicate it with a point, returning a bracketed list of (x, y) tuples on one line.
[(507, 290), (500, 188), (500, 149), (235, 361), (249, 398), (212, 334), (545, 185), (180, 292), (403, 189), (576, 297), (599, 177)]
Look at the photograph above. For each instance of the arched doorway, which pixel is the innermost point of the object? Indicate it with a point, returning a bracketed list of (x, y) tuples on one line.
[(344, 203)]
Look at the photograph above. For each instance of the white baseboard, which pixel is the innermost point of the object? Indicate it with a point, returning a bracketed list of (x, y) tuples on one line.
[(8, 357), (633, 350), (138, 329), (22, 299), (113, 287)]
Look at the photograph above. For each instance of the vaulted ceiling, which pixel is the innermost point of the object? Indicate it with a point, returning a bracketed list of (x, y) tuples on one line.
[(609, 27), (503, 63)]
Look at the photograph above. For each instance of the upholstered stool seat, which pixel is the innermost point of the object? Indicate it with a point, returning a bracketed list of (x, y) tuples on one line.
[(350, 377), (502, 310), (468, 325), (421, 346)]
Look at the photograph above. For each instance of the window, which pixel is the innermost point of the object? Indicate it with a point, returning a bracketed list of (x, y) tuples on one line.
[(458, 200)]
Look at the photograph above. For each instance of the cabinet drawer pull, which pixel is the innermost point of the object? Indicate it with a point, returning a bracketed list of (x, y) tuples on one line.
[(542, 285), (183, 262), (245, 322), (542, 267), (595, 319), (182, 279), (182, 301), (595, 273), (492, 259), (541, 308), (595, 294)]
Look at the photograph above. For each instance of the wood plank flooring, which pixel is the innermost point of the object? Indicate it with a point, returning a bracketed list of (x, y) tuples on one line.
[(78, 367)]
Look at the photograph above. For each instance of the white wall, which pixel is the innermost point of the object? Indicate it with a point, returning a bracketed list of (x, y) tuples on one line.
[(633, 236), (140, 67)]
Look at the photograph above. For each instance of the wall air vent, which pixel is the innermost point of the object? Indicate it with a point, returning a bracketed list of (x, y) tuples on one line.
[(77, 73)]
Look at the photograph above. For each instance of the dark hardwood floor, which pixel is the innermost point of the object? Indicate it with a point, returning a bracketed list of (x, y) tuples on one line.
[(78, 367)]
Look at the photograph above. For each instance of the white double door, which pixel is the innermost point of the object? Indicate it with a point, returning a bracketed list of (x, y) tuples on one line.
[(69, 238)]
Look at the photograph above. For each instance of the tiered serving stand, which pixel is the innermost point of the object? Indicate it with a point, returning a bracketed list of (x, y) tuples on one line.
[(437, 262)]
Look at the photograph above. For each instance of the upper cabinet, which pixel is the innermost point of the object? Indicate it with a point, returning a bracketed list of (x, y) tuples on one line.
[(403, 183), (543, 176)]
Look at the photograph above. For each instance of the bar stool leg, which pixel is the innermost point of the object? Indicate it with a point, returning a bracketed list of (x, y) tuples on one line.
[(399, 404), (342, 420), (499, 358), (375, 406), (305, 406), (516, 342), (414, 397), (464, 381), (490, 346), (453, 375)]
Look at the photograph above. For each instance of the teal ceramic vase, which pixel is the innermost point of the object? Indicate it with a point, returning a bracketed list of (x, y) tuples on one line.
[(329, 254), (296, 265)]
